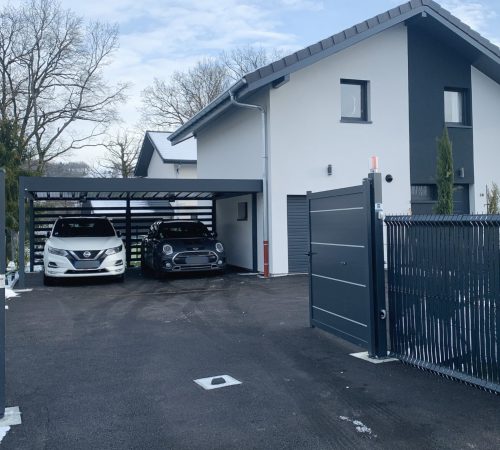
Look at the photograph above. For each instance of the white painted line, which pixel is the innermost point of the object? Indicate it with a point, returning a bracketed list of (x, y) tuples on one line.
[(364, 356), (339, 209), (342, 317), (340, 281), (206, 383), (338, 245), (12, 416)]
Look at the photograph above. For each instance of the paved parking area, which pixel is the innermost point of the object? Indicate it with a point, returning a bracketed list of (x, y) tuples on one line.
[(111, 366)]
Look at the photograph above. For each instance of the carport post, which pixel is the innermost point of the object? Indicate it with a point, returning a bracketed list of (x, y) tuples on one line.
[(22, 231), (32, 235), (128, 231), (2, 292)]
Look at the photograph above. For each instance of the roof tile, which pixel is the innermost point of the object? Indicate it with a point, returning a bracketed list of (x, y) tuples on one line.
[(327, 43)]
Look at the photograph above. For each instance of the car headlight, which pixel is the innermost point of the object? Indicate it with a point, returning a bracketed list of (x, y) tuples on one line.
[(219, 247), (57, 251), (114, 250), (168, 249)]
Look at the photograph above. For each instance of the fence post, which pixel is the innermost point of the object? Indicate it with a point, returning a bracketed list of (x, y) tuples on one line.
[(378, 314), (2, 291)]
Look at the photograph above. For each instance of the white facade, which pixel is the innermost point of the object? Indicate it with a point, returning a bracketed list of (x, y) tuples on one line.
[(306, 134), (160, 169), (485, 113), (236, 235)]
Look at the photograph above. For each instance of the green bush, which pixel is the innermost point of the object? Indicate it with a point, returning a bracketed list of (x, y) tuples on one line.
[(444, 175)]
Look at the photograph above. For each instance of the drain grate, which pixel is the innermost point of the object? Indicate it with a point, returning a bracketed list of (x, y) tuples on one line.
[(217, 382)]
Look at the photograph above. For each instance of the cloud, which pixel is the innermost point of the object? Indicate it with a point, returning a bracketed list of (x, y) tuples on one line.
[(475, 14)]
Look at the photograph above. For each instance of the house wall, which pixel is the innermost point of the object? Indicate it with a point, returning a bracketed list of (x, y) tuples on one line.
[(159, 169), (486, 113), (237, 236), (232, 146), (306, 133)]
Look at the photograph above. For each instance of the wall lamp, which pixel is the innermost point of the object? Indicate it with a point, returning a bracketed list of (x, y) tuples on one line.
[(329, 169)]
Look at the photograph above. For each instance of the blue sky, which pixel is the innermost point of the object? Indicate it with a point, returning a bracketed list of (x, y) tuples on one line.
[(160, 36)]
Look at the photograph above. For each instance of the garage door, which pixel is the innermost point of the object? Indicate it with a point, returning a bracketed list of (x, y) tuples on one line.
[(298, 234)]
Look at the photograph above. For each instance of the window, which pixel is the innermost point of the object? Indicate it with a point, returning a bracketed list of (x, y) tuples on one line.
[(354, 100), (455, 106), (242, 211)]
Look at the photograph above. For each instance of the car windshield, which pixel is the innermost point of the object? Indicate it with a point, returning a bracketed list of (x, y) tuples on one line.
[(66, 228), (183, 230)]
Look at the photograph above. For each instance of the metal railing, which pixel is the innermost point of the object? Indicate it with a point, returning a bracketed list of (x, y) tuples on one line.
[(444, 295)]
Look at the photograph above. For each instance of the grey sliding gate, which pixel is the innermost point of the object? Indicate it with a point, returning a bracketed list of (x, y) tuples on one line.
[(444, 295), (347, 296)]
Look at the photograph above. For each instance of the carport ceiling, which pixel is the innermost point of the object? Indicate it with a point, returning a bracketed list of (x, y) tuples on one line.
[(62, 188)]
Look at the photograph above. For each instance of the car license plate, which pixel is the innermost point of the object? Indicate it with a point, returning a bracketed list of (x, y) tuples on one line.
[(87, 264), (194, 260)]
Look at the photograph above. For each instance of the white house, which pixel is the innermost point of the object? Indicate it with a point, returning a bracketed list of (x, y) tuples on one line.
[(386, 87), (159, 159)]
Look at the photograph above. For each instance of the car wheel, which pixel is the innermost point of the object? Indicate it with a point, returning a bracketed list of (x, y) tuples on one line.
[(48, 281), (120, 278)]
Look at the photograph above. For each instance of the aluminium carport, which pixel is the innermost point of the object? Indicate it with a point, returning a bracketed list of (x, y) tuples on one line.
[(45, 199)]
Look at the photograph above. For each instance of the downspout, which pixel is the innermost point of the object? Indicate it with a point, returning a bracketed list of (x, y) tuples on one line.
[(265, 231)]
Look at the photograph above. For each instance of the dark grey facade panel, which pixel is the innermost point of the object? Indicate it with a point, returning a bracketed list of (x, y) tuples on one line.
[(298, 234), (433, 66)]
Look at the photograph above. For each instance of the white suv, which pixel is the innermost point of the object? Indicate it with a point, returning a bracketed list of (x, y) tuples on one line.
[(83, 247)]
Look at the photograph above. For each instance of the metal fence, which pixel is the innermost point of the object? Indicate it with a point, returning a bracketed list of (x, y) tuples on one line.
[(444, 295)]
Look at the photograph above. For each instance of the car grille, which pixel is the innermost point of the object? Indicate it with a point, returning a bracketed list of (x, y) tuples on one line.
[(80, 254), (198, 258)]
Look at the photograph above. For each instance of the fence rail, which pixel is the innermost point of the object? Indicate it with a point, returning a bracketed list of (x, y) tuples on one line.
[(444, 295)]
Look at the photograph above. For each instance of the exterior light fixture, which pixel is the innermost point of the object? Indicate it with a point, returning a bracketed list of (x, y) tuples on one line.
[(461, 172), (329, 169)]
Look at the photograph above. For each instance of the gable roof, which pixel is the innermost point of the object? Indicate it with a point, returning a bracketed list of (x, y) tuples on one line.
[(487, 56), (157, 141)]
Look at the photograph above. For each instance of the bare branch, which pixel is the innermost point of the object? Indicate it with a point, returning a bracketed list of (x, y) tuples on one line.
[(51, 65)]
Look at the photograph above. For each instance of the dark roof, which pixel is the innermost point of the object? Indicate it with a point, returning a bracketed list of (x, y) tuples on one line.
[(150, 189), (158, 141), (333, 44)]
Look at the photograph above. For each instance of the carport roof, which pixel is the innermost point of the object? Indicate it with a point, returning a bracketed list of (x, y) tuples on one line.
[(82, 189)]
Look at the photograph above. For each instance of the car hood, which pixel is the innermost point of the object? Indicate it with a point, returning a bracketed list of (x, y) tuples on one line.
[(84, 243), (201, 243)]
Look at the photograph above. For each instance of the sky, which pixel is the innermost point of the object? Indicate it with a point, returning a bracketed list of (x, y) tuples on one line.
[(158, 37)]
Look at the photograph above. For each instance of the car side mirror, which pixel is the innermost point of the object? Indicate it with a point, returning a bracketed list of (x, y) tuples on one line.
[(214, 234), (48, 233), (119, 234)]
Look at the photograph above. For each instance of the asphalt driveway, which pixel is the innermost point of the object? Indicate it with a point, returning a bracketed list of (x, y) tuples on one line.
[(111, 366)]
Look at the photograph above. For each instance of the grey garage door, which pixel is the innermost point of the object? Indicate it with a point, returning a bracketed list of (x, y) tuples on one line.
[(298, 234)]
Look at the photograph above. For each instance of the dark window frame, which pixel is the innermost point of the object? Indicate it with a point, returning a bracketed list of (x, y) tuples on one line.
[(466, 115), (364, 116)]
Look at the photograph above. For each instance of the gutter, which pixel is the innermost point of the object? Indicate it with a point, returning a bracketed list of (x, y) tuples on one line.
[(265, 174)]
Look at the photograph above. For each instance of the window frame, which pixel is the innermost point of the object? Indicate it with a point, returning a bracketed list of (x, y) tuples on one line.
[(364, 85), (465, 122)]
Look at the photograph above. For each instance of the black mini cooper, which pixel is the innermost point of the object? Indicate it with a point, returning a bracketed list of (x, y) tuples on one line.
[(181, 246)]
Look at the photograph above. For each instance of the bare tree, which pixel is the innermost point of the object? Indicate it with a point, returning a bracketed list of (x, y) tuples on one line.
[(243, 60), (168, 104), (122, 151), (51, 79)]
